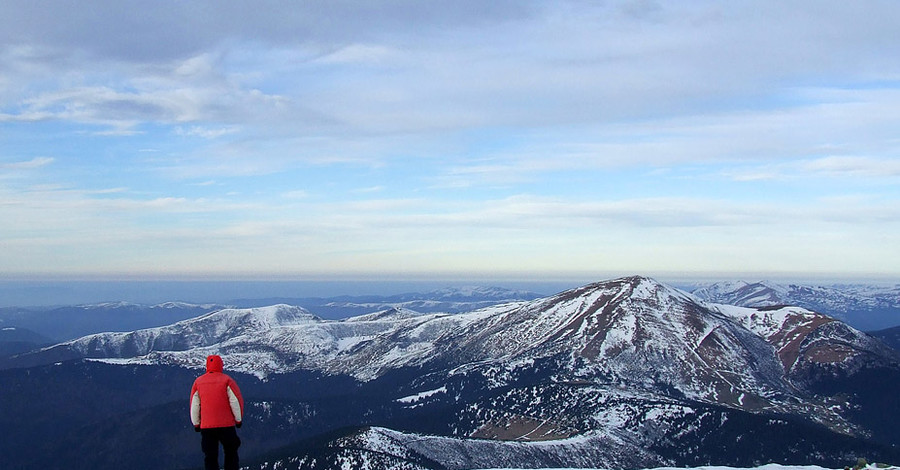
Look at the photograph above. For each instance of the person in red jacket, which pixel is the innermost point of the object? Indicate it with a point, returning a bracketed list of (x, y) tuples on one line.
[(217, 408)]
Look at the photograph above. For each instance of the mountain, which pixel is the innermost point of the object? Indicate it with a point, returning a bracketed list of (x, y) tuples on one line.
[(65, 323), (69, 322), (374, 448), (633, 327), (865, 307), (14, 340), (890, 336), (258, 341), (627, 373), (378, 448), (447, 300)]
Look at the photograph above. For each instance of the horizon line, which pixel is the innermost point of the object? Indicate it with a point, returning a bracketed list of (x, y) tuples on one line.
[(440, 276)]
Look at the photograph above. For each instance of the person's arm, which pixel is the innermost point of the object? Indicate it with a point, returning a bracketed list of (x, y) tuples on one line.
[(236, 401), (195, 408)]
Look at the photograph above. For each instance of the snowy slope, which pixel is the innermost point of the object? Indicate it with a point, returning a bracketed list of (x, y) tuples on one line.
[(795, 333), (771, 466), (356, 451), (378, 448), (258, 341)]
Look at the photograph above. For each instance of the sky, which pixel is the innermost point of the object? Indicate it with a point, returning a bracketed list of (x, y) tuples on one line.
[(321, 139)]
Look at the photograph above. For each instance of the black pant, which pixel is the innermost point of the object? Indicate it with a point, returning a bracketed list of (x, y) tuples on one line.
[(210, 439)]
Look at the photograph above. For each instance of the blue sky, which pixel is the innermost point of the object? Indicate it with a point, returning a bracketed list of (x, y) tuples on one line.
[(426, 139)]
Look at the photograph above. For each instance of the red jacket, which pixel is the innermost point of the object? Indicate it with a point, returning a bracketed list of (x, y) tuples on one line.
[(216, 400)]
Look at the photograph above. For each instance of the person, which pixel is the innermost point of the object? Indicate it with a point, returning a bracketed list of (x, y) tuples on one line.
[(217, 408)]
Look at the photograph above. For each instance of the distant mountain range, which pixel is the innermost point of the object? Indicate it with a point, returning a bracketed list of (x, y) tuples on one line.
[(627, 373), (448, 300), (15, 340), (68, 322), (890, 337), (865, 307)]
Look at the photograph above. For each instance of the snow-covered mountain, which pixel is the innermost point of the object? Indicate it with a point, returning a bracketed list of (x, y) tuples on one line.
[(447, 300), (867, 307), (375, 448), (632, 329), (474, 292), (258, 341), (625, 373), (70, 322), (379, 448)]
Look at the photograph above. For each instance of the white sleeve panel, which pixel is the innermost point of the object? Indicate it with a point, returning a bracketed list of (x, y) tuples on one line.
[(195, 409), (235, 405)]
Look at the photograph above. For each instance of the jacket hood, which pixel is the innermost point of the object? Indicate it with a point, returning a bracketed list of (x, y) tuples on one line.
[(214, 364)]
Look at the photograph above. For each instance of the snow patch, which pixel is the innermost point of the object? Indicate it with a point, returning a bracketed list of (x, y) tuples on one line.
[(421, 395)]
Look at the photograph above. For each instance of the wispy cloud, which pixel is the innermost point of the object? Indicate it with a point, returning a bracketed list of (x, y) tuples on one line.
[(369, 190), (846, 168), (206, 132), (858, 167), (124, 110), (36, 162)]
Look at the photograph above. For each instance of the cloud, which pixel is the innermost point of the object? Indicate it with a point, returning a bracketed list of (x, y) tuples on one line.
[(844, 168), (36, 162), (365, 234), (591, 66), (421, 219), (357, 54), (456, 67), (501, 126), (814, 133), (125, 110), (206, 132), (297, 194), (848, 166), (369, 190), (162, 32)]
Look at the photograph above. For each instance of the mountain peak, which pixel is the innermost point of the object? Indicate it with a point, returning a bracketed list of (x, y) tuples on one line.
[(390, 314), (756, 294), (633, 288), (260, 317)]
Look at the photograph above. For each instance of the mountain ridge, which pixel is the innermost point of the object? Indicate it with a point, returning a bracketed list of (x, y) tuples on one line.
[(644, 368), (864, 306), (627, 327)]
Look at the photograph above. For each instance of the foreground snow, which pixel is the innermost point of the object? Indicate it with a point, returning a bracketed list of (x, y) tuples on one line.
[(771, 466)]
